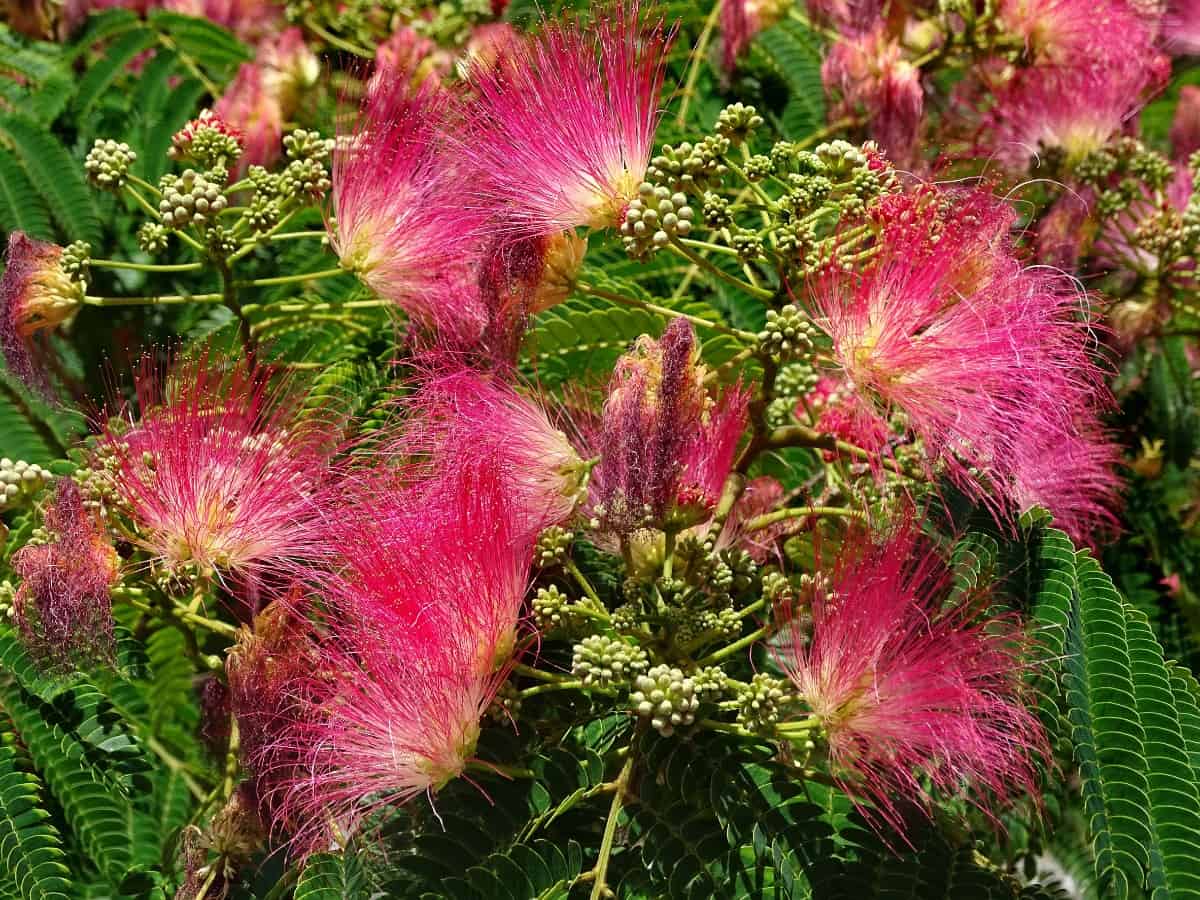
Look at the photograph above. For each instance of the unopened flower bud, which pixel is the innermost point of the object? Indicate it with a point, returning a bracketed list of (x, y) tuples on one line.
[(666, 697), (108, 162)]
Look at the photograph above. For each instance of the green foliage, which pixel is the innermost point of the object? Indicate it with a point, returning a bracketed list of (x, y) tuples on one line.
[(793, 54), (1133, 725), (56, 173), (30, 845)]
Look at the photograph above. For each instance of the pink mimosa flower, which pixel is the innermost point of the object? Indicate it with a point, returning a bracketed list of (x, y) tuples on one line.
[(219, 472), (421, 631), (908, 691), (561, 133), (1185, 127), (36, 296), (402, 225), (290, 68), (1031, 116), (457, 410), (741, 20), (1075, 478), (708, 452), (63, 608), (1076, 33), (250, 20), (958, 337), (1181, 27)]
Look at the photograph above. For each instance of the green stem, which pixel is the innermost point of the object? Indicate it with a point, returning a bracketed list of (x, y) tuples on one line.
[(142, 201), (725, 727), (144, 267), (144, 185), (539, 674), (292, 279), (556, 686), (266, 236), (208, 882), (176, 766), (600, 870), (294, 235), (161, 299), (662, 310), (511, 772), (707, 245), (780, 515), (752, 608), (828, 131), (697, 56), (703, 263), (333, 40), (582, 581), (726, 652)]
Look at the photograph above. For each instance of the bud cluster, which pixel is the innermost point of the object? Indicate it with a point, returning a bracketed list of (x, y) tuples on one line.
[(553, 547), (654, 217), (192, 198), (601, 661), (666, 697), (20, 481), (788, 334), (107, 164), (208, 141), (761, 702)]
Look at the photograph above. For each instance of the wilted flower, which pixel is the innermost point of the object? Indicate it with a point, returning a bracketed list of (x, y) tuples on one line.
[(907, 690), (1185, 127), (665, 446), (561, 133), (219, 472), (401, 225), (464, 409), (36, 296), (63, 608), (946, 327)]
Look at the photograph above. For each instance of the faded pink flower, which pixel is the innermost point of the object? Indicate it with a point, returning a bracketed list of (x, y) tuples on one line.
[(560, 135), (491, 44), (1074, 477), (408, 52), (1073, 111), (402, 225), (869, 71), (760, 496), (1076, 33), (253, 109), (947, 328), (1063, 231), (250, 20), (741, 20), (36, 296), (290, 68), (909, 691), (1185, 127), (218, 471), (63, 608), (1181, 27)]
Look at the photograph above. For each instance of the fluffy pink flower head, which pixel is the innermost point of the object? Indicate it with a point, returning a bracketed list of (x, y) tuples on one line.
[(36, 296), (1072, 111), (63, 608), (741, 20), (908, 691), (946, 328), (490, 44), (401, 225), (218, 471), (465, 409), (665, 446), (253, 109), (1064, 230), (561, 134), (1076, 33), (1074, 477), (421, 633), (869, 70)]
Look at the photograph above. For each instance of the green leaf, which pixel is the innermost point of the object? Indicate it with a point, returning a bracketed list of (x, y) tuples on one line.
[(21, 208), (152, 150), (206, 42), (1133, 723), (332, 876), (101, 73), (22, 434), (56, 175), (794, 53), (31, 851)]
